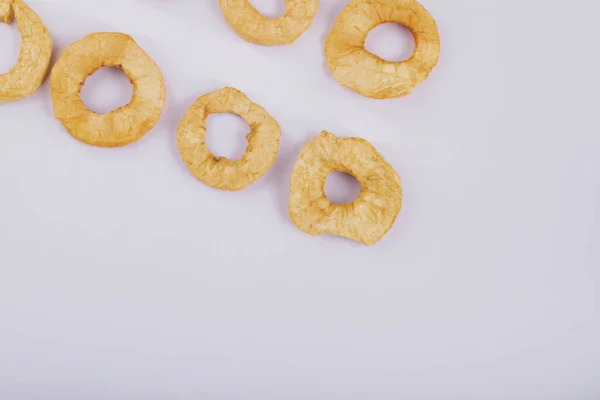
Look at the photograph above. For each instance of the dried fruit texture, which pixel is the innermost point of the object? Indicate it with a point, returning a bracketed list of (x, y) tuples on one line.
[(6, 11), (119, 127), (34, 56), (356, 68), (256, 28), (219, 172), (365, 220)]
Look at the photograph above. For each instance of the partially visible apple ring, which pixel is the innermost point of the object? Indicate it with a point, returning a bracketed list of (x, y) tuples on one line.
[(254, 27), (31, 69)]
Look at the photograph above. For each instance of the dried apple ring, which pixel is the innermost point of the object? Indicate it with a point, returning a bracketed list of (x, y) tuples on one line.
[(356, 68), (34, 55), (219, 172), (254, 27), (119, 127), (365, 220)]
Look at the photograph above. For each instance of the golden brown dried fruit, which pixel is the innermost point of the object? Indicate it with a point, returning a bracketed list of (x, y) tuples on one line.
[(34, 56), (6, 11), (118, 127), (365, 220), (219, 172), (254, 27), (356, 68)]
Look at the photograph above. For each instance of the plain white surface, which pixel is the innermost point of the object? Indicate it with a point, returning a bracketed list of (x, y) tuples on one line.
[(123, 277)]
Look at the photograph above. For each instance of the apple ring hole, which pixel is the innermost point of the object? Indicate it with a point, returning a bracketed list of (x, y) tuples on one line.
[(106, 90), (10, 43), (342, 188), (269, 8), (226, 135), (391, 41)]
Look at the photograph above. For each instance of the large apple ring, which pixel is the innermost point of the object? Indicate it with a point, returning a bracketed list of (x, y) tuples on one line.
[(219, 172), (119, 127), (34, 56), (356, 68), (365, 220), (254, 27)]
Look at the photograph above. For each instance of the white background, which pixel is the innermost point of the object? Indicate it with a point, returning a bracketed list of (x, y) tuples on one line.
[(123, 277)]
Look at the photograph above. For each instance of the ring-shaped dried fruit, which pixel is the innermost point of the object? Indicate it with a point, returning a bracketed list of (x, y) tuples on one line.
[(219, 172), (119, 127), (34, 55), (356, 68), (369, 217), (254, 27)]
